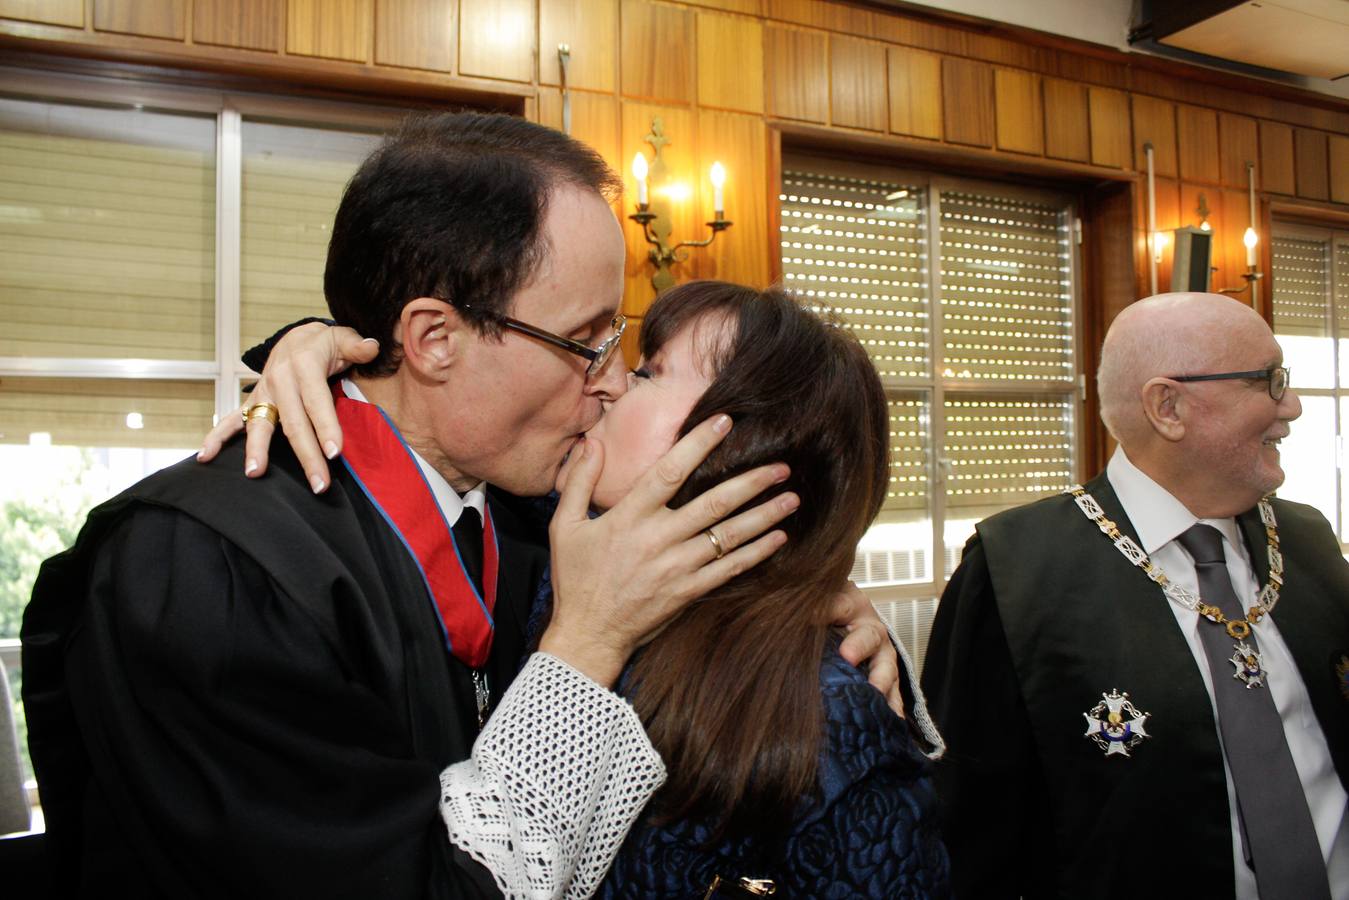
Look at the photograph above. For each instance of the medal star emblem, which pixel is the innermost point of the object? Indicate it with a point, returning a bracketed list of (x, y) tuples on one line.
[(1116, 725), (1247, 662)]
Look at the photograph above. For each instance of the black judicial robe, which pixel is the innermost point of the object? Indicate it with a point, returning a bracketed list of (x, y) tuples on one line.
[(236, 688), (1043, 616)]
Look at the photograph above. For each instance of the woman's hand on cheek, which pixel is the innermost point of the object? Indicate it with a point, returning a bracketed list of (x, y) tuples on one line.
[(618, 578)]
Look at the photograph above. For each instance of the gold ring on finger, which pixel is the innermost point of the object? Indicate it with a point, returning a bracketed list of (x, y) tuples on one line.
[(716, 542), (262, 410)]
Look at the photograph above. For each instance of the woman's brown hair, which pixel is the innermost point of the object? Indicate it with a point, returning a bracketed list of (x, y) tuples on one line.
[(729, 692)]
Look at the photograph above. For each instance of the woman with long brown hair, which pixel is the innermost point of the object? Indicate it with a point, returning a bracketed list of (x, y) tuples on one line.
[(784, 764)]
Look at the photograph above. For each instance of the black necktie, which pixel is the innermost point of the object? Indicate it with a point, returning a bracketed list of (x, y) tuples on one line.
[(468, 538), (1278, 838)]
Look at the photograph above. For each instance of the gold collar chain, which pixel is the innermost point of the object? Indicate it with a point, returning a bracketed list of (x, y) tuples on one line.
[(1237, 629)]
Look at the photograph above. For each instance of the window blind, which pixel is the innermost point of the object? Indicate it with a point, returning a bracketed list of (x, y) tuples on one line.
[(107, 232), (908, 489), (1006, 451), (1006, 289), (94, 412), (1301, 274), (293, 178), (858, 246)]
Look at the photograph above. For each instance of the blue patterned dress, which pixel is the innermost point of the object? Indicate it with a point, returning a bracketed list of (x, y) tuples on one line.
[(870, 831)]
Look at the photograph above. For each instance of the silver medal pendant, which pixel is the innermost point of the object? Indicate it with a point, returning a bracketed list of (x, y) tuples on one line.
[(1250, 670), (1115, 725)]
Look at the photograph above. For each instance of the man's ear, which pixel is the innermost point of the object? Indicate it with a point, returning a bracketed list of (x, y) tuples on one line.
[(432, 335), (1164, 405)]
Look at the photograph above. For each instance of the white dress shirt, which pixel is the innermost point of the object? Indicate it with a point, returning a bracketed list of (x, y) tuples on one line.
[(1159, 518), (451, 504)]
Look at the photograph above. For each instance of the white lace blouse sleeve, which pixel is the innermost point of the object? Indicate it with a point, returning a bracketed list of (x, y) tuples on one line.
[(555, 781), (919, 713)]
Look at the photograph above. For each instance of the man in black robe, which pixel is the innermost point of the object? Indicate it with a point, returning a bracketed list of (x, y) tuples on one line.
[(272, 688), (1085, 754)]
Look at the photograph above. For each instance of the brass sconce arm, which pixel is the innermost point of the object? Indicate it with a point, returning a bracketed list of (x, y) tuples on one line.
[(663, 255)]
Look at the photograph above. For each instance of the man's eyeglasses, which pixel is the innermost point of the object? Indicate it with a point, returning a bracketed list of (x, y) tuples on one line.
[(1276, 376), (598, 356)]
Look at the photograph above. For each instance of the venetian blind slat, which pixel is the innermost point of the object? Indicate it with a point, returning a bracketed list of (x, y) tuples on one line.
[(857, 245), (1301, 273), (107, 233), (1006, 451), (1006, 289), (93, 412), (907, 492), (293, 178), (1342, 298)]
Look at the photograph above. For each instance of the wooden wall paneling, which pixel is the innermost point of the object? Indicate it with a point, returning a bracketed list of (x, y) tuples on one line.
[(730, 62), (1339, 168), (250, 24), (48, 12), (1197, 140), (1111, 131), (1067, 120), (742, 252), (146, 18), (656, 52), (1019, 111), (748, 7), (416, 34), (1311, 164), (797, 65), (1236, 218), (1276, 159), (333, 29), (496, 39), (590, 29), (681, 156), (1169, 218), (1111, 282), (1238, 143), (915, 92), (857, 83), (1155, 121), (843, 19), (594, 120), (967, 101), (631, 341)]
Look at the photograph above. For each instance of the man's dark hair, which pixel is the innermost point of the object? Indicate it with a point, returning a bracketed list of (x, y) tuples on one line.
[(450, 206)]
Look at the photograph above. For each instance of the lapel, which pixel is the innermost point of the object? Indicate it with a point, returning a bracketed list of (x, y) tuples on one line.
[(1312, 613)]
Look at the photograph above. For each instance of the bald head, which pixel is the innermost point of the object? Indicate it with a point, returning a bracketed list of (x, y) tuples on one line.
[(1162, 336)]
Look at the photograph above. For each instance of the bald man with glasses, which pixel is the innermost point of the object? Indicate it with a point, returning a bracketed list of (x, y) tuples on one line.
[(1127, 712)]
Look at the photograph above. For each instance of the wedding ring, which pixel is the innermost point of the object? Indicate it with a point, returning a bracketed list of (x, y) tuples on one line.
[(716, 543), (262, 410)]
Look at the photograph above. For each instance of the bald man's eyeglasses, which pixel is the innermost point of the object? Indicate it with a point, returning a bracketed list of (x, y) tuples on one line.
[(1277, 377)]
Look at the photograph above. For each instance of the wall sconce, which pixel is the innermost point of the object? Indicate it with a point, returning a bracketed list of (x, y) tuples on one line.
[(1251, 239), (654, 215)]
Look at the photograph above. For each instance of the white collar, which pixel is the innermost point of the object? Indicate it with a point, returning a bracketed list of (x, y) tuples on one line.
[(1156, 514), (451, 504)]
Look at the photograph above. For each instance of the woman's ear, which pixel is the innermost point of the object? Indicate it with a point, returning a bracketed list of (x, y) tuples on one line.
[(1164, 405), (431, 333)]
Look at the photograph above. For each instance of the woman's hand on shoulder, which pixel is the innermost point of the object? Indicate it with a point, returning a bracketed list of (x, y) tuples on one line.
[(295, 380), (868, 642)]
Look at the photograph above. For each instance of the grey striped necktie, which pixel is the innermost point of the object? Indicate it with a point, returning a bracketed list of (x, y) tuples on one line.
[(1278, 838)]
